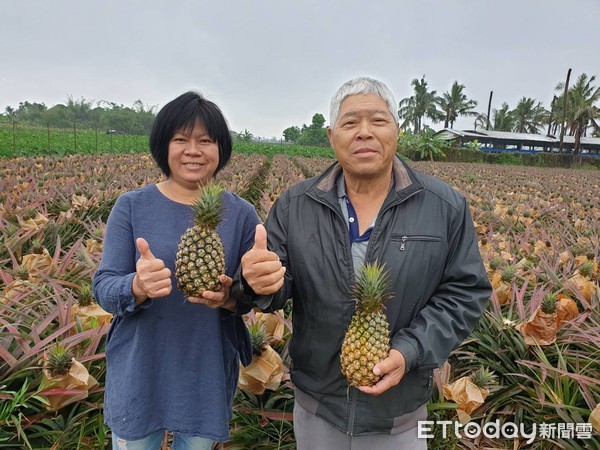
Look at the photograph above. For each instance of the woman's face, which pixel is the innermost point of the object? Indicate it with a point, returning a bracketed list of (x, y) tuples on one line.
[(193, 158)]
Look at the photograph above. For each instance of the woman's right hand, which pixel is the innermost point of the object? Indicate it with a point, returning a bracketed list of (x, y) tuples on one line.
[(152, 278)]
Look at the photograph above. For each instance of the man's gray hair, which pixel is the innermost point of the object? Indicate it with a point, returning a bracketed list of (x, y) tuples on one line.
[(361, 85)]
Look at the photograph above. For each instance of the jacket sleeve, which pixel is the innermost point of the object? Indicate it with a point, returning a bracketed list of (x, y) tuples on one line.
[(456, 305), (277, 228)]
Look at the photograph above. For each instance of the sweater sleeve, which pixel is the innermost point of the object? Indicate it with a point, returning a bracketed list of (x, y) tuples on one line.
[(114, 278), (456, 305)]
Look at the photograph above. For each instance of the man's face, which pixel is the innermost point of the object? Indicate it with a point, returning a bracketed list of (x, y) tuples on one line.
[(365, 136)]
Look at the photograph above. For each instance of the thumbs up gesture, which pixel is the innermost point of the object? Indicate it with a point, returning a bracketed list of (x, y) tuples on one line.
[(262, 268), (152, 278)]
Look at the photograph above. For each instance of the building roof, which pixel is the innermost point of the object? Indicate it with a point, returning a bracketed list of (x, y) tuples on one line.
[(508, 136)]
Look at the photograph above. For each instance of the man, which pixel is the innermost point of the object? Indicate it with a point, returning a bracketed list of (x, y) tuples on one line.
[(368, 206)]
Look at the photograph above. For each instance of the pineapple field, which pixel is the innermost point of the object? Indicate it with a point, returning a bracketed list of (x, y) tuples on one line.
[(534, 358)]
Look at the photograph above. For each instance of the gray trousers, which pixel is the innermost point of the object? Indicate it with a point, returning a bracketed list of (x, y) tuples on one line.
[(313, 433)]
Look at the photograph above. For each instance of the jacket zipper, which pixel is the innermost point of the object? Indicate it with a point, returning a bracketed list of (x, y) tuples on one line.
[(350, 431), (383, 211), (403, 240)]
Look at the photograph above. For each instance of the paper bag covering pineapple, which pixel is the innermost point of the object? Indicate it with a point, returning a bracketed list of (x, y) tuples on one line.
[(273, 325), (367, 340), (595, 418), (582, 279), (266, 369), (200, 260), (469, 392), (66, 379), (541, 327), (86, 311), (502, 283)]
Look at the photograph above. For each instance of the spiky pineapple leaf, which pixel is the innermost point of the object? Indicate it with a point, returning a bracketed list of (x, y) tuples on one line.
[(372, 287), (208, 208)]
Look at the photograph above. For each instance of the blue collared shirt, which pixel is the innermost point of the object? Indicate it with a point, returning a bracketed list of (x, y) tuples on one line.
[(358, 242)]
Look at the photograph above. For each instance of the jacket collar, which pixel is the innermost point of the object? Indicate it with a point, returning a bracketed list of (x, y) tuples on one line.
[(405, 184), (404, 177)]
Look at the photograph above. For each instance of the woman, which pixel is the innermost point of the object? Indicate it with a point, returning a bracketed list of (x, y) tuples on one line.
[(172, 362)]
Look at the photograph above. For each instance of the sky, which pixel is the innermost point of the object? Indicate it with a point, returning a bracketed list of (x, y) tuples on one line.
[(275, 63)]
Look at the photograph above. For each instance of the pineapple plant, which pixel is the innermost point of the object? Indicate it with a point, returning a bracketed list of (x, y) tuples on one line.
[(367, 340), (508, 273), (483, 377), (258, 338), (200, 259), (496, 263), (58, 360), (85, 295), (549, 303), (266, 369)]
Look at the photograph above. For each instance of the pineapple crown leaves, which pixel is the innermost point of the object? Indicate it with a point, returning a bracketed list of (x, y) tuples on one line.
[(58, 359), (508, 273), (258, 338), (484, 377), (372, 287), (496, 263), (586, 269), (208, 208), (85, 295), (549, 303)]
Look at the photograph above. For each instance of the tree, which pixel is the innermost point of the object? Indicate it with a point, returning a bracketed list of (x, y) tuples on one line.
[(582, 111), (428, 146), (245, 136), (480, 121), (421, 105), (80, 110), (529, 117), (291, 134), (455, 104), (503, 119), (314, 134)]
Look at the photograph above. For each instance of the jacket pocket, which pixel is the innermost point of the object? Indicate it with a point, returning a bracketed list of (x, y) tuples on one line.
[(404, 240)]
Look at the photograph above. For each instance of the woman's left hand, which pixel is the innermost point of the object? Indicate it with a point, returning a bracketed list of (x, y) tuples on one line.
[(219, 299)]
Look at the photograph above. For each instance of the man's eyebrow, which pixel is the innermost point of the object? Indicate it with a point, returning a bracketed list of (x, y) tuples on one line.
[(369, 111)]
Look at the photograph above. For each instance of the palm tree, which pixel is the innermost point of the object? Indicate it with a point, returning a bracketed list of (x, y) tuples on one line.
[(582, 111), (421, 104), (529, 117), (503, 118), (455, 104), (480, 121)]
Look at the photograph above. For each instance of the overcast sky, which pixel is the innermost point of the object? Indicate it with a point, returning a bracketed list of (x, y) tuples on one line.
[(273, 64)]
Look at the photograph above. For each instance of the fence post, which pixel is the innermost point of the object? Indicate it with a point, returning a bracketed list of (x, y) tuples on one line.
[(48, 128), (75, 136), (13, 133), (96, 137)]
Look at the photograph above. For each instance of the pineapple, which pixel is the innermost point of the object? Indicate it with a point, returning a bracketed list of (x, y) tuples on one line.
[(58, 360), (85, 295), (496, 263), (258, 338), (483, 377), (200, 259), (367, 340), (550, 303), (508, 273)]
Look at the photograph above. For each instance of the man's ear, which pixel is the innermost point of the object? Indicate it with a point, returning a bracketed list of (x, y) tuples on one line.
[(329, 136)]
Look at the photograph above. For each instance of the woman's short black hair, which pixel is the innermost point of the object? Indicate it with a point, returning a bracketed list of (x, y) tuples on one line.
[(182, 114)]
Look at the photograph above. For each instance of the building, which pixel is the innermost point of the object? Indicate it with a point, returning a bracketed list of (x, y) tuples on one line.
[(504, 141)]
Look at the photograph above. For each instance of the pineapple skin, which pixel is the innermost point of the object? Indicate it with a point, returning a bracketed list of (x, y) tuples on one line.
[(200, 261), (365, 344)]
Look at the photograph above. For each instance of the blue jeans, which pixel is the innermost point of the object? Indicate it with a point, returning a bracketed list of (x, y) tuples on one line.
[(153, 442)]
